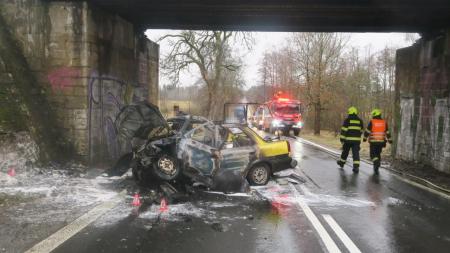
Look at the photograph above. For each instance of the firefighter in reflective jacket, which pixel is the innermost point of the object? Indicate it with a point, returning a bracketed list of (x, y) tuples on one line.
[(378, 133), (351, 132)]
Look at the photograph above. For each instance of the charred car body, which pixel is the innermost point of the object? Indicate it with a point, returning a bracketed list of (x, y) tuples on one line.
[(222, 157)]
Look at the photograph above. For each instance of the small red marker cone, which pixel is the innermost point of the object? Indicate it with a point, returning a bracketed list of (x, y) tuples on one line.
[(12, 172), (136, 200), (163, 207)]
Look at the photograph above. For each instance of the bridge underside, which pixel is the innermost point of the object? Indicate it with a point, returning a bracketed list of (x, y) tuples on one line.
[(285, 15)]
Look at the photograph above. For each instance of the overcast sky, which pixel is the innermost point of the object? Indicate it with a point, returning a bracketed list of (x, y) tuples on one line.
[(268, 41)]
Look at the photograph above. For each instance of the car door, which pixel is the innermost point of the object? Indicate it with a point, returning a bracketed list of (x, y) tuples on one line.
[(199, 148), (234, 159)]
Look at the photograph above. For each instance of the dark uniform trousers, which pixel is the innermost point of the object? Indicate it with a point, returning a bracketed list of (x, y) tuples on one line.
[(355, 147), (375, 153)]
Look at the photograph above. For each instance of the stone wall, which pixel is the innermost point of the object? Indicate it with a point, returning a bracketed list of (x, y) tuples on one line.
[(423, 102), (89, 63)]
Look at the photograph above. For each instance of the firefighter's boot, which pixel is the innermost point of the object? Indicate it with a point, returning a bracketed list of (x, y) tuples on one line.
[(376, 169), (356, 169), (340, 163), (376, 166)]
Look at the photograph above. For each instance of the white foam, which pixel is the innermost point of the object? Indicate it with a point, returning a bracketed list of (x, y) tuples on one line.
[(273, 193), (177, 212)]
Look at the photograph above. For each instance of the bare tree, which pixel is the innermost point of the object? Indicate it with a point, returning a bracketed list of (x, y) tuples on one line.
[(317, 57), (209, 52), (278, 73), (385, 77)]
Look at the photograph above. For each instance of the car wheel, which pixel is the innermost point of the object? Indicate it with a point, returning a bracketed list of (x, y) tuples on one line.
[(166, 168), (296, 131), (259, 174)]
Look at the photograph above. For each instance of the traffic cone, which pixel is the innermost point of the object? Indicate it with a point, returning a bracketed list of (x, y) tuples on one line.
[(136, 200), (163, 207), (12, 172)]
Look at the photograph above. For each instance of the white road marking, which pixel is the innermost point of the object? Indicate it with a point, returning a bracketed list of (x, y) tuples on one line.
[(326, 238), (65, 233), (352, 248)]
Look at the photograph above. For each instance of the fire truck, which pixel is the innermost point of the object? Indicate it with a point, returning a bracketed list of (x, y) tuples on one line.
[(279, 114)]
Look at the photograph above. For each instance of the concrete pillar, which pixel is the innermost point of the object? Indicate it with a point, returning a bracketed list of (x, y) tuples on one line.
[(90, 63), (423, 102)]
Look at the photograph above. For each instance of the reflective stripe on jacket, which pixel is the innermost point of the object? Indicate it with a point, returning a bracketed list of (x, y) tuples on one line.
[(351, 129), (377, 131)]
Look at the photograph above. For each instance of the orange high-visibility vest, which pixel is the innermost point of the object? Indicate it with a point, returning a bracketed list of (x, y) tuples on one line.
[(378, 132)]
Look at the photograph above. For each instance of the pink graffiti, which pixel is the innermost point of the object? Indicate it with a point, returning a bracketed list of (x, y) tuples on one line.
[(62, 78)]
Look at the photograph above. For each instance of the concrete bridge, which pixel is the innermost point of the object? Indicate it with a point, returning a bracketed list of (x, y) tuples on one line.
[(67, 67)]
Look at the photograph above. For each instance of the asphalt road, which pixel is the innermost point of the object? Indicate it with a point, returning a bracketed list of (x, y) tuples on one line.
[(333, 211)]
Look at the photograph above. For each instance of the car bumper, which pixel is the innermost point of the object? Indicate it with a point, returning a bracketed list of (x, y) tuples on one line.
[(282, 163)]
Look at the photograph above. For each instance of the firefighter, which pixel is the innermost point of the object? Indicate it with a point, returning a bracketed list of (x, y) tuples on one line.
[(351, 132), (378, 133)]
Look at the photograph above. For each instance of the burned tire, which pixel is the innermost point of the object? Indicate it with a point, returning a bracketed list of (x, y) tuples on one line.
[(166, 168), (296, 131), (286, 132), (259, 174)]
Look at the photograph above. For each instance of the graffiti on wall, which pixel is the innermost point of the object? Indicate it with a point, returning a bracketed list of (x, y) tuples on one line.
[(425, 112), (62, 78), (107, 96)]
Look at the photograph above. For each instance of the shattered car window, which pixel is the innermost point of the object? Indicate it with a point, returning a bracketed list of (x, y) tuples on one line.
[(194, 124), (239, 138), (235, 114), (204, 135), (175, 125)]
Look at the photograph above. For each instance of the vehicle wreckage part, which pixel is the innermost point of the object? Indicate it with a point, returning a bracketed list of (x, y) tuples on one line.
[(229, 181), (140, 174), (166, 168), (259, 174)]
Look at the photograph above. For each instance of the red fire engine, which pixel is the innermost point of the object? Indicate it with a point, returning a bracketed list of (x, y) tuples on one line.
[(280, 113)]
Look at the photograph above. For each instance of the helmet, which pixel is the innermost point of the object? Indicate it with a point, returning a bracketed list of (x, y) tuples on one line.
[(376, 112), (352, 110)]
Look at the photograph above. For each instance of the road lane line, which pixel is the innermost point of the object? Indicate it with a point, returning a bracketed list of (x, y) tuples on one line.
[(352, 248), (65, 233), (326, 238)]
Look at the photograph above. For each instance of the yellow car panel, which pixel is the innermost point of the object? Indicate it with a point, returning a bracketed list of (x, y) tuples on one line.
[(268, 148)]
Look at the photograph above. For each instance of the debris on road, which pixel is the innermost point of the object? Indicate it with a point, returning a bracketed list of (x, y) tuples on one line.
[(12, 172), (136, 200), (163, 206)]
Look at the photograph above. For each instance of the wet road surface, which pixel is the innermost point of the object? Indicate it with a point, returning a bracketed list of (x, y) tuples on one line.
[(358, 213)]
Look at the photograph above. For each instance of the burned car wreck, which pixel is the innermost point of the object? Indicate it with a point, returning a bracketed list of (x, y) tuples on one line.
[(223, 157)]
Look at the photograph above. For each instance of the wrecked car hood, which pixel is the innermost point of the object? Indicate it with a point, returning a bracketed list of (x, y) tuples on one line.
[(143, 120)]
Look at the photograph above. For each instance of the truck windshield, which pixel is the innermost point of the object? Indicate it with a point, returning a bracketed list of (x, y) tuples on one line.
[(287, 108)]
